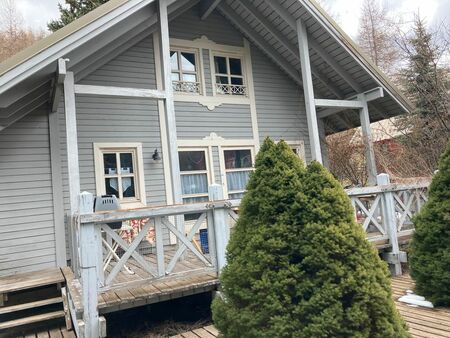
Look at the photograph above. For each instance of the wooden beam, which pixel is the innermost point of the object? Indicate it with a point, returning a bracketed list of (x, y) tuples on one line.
[(72, 143), (119, 91), (207, 7), (368, 142), (254, 11), (230, 14), (344, 104), (313, 129), (61, 72), (169, 104)]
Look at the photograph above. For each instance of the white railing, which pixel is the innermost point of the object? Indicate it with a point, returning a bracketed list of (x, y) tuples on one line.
[(186, 87)]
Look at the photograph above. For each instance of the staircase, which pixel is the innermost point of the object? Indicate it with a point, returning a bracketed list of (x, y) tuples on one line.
[(32, 298)]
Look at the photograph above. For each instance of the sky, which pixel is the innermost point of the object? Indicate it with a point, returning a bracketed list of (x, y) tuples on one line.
[(38, 12)]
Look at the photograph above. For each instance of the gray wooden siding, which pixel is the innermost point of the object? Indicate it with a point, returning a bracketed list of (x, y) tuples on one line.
[(216, 28), (27, 230), (279, 103), (231, 121), (216, 164)]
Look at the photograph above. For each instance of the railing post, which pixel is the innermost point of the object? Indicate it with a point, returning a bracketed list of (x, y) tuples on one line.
[(221, 228), (390, 221), (91, 256)]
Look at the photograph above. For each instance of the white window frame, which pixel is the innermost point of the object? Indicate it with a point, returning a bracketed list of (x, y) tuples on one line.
[(224, 171), (299, 147), (198, 73), (136, 148), (208, 172), (228, 55)]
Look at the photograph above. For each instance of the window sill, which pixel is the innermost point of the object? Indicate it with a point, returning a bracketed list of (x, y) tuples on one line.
[(131, 205)]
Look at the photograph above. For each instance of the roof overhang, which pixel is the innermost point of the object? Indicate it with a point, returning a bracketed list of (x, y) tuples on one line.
[(340, 69)]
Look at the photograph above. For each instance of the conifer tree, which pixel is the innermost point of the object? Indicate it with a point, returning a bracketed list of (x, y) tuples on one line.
[(430, 248), (298, 264), (72, 10)]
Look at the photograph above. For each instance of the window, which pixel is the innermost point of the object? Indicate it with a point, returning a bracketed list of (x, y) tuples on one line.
[(185, 71), (194, 175), (238, 166), (229, 76), (298, 147), (119, 172)]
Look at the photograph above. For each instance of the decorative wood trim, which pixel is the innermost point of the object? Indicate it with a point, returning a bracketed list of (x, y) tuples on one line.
[(205, 43), (212, 102), (57, 190), (207, 7), (119, 91), (214, 140)]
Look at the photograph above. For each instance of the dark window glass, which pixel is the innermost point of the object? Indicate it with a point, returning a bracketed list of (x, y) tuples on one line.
[(128, 187), (222, 79), (126, 163), (220, 64), (238, 159), (112, 186), (235, 66), (188, 62), (237, 81), (110, 164), (192, 160)]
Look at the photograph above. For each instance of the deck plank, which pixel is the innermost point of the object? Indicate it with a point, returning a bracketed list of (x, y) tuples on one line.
[(30, 280)]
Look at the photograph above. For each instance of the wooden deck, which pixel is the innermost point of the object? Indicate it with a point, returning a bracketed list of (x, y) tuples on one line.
[(422, 322), (135, 289)]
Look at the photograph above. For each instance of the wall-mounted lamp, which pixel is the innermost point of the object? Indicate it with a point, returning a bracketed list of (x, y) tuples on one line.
[(156, 156)]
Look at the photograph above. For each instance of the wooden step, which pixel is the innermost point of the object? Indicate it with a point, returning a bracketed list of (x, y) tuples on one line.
[(31, 319), (30, 305), (30, 280)]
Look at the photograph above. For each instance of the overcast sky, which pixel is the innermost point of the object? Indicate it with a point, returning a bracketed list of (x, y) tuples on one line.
[(38, 12)]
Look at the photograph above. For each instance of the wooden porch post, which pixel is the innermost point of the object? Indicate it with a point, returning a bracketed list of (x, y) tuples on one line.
[(368, 142), (91, 254), (390, 221), (169, 107), (308, 89), (221, 227)]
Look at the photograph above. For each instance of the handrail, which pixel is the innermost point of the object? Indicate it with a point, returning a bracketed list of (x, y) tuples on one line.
[(385, 188), (151, 212)]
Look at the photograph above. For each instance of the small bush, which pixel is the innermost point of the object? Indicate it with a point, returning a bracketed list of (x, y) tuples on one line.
[(298, 264), (430, 247)]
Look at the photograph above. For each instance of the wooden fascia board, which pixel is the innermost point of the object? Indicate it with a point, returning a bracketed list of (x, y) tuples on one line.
[(119, 91)]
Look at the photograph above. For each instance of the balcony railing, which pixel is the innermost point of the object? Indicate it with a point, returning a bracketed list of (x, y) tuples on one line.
[(186, 87), (230, 89)]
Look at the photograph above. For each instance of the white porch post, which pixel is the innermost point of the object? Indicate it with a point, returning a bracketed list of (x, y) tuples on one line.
[(308, 89), (368, 142), (72, 142), (170, 119)]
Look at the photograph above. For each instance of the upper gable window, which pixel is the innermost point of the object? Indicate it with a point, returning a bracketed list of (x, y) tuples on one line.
[(185, 71), (229, 75)]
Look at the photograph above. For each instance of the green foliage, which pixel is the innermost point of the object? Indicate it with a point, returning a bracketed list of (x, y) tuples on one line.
[(430, 248), (72, 10), (298, 264)]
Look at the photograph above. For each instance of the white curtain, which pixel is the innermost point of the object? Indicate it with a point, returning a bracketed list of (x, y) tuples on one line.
[(237, 181), (194, 184)]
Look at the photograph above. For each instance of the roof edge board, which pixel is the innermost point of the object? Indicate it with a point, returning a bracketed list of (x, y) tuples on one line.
[(347, 43), (47, 54)]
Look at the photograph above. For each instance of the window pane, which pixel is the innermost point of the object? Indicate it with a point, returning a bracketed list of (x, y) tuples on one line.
[(222, 79), (128, 187), (237, 159), (235, 66), (237, 180), (194, 184), (175, 77), (195, 200), (220, 64), (110, 164), (192, 160), (126, 163), (237, 81), (174, 60), (236, 196), (190, 77), (188, 62), (112, 186)]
